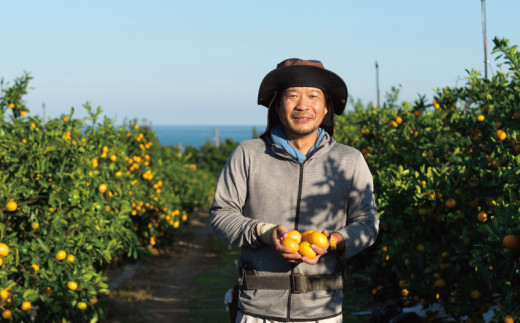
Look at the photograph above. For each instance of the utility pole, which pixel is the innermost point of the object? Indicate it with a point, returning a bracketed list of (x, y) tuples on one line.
[(377, 86), (216, 138), (486, 62)]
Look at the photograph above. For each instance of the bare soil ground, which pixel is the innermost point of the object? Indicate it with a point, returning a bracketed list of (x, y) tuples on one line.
[(184, 284)]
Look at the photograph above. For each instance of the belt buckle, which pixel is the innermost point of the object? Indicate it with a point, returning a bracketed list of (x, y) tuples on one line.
[(297, 282)]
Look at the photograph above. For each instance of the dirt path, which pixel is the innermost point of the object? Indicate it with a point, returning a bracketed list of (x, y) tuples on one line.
[(185, 284)]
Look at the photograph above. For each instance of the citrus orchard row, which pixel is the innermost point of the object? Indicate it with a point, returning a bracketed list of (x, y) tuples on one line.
[(77, 196), (447, 178)]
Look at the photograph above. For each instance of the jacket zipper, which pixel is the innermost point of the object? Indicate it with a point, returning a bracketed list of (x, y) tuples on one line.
[(296, 221), (297, 216)]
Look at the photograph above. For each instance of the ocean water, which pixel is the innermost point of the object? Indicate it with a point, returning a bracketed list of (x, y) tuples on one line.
[(198, 135)]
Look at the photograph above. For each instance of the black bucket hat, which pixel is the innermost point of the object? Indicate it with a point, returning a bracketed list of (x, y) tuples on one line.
[(294, 72)]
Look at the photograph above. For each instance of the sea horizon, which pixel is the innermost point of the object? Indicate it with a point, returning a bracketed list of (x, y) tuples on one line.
[(198, 135)]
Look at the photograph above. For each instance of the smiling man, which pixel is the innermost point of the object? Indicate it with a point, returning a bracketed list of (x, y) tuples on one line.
[(295, 177), (301, 112)]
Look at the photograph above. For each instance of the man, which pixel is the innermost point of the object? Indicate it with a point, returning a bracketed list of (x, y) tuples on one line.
[(296, 176)]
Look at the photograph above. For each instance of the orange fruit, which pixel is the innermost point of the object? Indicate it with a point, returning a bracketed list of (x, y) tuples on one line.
[(399, 120), (475, 294), (319, 239), (405, 292), (72, 285), (510, 241), (11, 206), (4, 250), (306, 235), (440, 283), (35, 225), (291, 244), (294, 234), (420, 247), (306, 250), (436, 105), (509, 319), (402, 283), (82, 305), (4, 294), (71, 258), (102, 188), (26, 305), (481, 118), (35, 267), (394, 124), (482, 216), (516, 115), (6, 314), (113, 158), (501, 135), (60, 255), (451, 203)]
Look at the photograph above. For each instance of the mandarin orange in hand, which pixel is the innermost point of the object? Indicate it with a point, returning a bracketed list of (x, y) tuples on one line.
[(306, 250), (319, 239), (306, 235), (291, 244), (294, 234)]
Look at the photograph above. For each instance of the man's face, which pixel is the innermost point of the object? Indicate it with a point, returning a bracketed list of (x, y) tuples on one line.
[(301, 111)]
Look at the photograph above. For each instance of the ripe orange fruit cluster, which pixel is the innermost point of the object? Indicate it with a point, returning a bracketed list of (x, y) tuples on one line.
[(501, 134), (297, 242)]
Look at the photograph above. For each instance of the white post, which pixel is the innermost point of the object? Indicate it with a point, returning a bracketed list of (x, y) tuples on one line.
[(377, 86), (486, 62)]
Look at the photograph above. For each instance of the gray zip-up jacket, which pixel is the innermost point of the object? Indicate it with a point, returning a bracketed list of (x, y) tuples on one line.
[(262, 183)]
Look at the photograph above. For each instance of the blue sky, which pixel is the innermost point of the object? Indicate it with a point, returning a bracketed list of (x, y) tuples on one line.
[(201, 62)]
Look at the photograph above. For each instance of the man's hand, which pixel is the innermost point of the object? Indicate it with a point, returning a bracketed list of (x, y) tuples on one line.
[(277, 236), (319, 251)]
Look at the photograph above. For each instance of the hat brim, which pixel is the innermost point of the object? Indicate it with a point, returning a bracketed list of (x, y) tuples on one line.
[(307, 76)]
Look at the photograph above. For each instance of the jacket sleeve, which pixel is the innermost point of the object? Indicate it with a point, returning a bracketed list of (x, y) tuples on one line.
[(362, 218), (226, 218)]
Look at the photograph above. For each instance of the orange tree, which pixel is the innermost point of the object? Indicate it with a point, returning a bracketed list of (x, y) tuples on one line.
[(446, 177), (77, 196)]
